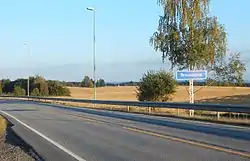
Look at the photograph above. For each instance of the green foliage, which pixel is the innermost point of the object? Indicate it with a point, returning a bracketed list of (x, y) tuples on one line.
[(1, 91), (230, 71), (21, 83), (38, 86), (18, 91), (100, 83), (35, 92), (56, 89), (156, 86), (91, 84), (87, 82), (187, 36), (42, 85), (6, 85)]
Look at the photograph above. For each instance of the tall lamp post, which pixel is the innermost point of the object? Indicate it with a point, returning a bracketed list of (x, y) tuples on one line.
[(94, 46), (28, 80)]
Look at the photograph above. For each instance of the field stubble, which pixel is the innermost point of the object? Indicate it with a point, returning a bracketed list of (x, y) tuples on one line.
[(222, 95)]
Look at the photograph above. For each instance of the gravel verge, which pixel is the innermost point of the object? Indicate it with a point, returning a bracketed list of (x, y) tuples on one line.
[(13, 148)]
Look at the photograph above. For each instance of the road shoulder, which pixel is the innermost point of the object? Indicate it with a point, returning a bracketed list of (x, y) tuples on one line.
[(36, 146), (12, 147)]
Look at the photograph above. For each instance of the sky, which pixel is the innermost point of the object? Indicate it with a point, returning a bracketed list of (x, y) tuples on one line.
[(58, 36)]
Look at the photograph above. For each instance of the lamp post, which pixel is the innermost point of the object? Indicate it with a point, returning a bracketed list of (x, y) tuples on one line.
[(28, 80), (94, 48)]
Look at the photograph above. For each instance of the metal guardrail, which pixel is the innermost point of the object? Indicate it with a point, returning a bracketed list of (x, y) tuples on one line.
[(188, 106)]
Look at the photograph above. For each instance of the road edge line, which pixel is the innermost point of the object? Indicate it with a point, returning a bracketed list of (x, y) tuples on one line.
[(46, 138)]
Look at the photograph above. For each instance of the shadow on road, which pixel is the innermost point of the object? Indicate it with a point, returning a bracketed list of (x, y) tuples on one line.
[(190, 126), (15, 102), (22, 110)]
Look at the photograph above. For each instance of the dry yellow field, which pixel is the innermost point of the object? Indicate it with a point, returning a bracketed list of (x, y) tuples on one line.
[(234, 95)]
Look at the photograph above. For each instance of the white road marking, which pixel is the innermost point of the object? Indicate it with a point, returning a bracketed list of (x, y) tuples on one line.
[(47, 138)]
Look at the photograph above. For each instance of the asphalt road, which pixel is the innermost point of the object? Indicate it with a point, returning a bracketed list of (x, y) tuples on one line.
[(96, 135)]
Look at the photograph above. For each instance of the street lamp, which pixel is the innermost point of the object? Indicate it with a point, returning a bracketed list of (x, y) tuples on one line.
[(94, 46), (28, 80)]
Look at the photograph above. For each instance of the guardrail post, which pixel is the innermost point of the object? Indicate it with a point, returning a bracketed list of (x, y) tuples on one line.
[(128, 108), (191, 113), (218, 115), (149, 110), (191, 96)]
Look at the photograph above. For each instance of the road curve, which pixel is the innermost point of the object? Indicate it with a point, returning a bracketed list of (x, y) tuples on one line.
[(96, 135)]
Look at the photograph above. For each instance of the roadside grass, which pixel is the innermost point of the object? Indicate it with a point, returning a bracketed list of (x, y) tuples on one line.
[(3, 126)]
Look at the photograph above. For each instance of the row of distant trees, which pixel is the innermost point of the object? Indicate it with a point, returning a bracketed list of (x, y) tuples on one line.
[(86, 82), (38, 87), (218, 79), (208, 82)]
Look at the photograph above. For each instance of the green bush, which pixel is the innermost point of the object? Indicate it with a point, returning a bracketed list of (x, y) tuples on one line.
[(100, 83), (156, 86), (41, 84), (1, 90), (35, 92), (87, 82), (18, 91), (56, 89)]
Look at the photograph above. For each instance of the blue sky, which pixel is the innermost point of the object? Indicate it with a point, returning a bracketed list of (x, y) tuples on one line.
[(59, 35)]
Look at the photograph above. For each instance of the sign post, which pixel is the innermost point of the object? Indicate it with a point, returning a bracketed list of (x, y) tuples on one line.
[(191, 76), (191, 95)]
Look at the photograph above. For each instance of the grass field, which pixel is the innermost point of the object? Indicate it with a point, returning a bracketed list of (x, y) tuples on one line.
[(231, 95)]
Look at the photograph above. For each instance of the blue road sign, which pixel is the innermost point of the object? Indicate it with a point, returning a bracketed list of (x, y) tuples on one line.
[(188, 75)]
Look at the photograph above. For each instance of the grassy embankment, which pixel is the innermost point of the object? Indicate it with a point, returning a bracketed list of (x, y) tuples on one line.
[(3, 126)]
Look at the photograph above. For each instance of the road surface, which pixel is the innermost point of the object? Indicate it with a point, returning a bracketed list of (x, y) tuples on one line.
[(62, 133)]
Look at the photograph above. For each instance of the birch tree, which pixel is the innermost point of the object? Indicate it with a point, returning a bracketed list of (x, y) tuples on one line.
[(188, 36)]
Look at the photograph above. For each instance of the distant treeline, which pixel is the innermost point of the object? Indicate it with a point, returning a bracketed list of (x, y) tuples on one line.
[(38, 87), (86, 82), (208, 82)]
